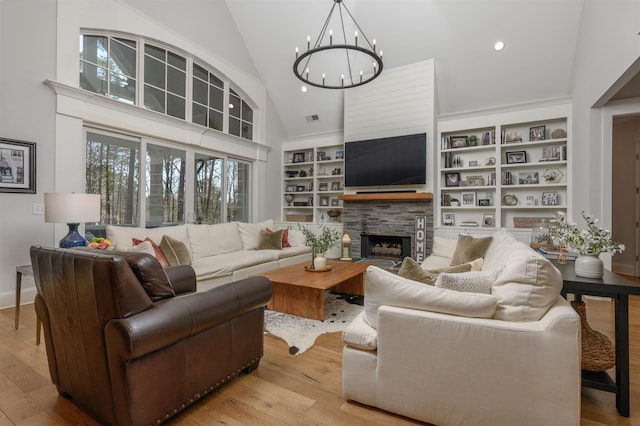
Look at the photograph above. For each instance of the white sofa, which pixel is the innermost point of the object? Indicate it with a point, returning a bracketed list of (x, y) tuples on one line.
[(506, 357), (223, 252)]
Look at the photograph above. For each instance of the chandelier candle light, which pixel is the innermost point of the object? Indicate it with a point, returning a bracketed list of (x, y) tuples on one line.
[(339, 65)]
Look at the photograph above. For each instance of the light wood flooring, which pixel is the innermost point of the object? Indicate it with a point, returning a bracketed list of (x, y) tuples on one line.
[(284, 390)]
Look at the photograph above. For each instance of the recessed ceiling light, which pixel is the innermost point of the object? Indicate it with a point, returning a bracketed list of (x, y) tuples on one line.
[(498, 46), (304, 89)]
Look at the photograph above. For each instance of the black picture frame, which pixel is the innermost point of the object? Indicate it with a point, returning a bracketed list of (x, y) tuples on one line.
[(452, 179), (324, 200), (459, 141), (17, 166), (536, 133), (550, 198), (335, 186), (298, 157), (516, 157)]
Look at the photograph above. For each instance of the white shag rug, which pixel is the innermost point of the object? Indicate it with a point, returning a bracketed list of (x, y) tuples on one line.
[(301, 333)]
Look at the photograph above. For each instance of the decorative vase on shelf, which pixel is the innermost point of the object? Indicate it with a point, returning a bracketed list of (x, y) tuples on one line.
[(289, 199), (589, 265)]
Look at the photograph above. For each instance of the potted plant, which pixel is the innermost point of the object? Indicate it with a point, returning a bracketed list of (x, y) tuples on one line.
[(454, 202), (473, 140), (320, 243)]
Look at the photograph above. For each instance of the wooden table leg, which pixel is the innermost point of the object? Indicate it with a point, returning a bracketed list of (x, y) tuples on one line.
[(622, 354), (18, 289)]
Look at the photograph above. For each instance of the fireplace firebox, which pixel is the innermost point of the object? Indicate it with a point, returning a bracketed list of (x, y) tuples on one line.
[(385, 246)]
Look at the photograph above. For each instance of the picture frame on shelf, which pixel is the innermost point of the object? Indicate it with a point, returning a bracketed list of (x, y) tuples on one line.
[(310, 201), (323, 186), (335, 202), (17, 166), (530, 200), (484, 202), (469, 199), (298, 157), (448, 219), (300, 188), (458, 141), (339, 155), (335, 186), (550, 198), (516, 157), (321, 155), (550, 153), (473, 163), (452, 179), (528, 178), (324, 200), (536, 133), (475, 181), (291, 188), (488, 220)]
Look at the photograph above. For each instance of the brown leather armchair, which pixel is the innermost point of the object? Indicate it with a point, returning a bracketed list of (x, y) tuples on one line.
[(132, 343)]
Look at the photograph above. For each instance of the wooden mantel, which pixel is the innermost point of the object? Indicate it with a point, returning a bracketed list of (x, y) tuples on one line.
[(389, 196)]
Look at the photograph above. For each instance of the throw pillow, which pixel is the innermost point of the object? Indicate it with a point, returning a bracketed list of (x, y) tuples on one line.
[(156, 249), (176, 252), (472, 281), (469, 248), (143, 247), (150, 274), (386, 288), (412, 270), (270, 240), (285, 237)]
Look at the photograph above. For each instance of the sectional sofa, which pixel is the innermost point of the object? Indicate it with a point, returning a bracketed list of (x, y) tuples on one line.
[(219, 253)]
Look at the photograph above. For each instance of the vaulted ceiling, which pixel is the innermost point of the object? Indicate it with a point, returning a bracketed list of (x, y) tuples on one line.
[(536, 64)]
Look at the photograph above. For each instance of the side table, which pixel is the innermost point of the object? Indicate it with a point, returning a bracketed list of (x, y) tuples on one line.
[(618, 288), (26, 270)]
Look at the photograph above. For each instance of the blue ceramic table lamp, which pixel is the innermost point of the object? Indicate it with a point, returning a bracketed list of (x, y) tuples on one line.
[(72, 209)]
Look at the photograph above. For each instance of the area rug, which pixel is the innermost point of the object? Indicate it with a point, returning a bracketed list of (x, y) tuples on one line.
[(301, 333)]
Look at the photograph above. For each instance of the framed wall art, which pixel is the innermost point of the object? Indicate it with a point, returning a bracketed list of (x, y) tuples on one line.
[(17, 166)]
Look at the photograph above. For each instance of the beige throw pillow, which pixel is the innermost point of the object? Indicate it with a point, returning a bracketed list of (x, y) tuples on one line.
[(270, 240), (412, 270), (175, 251), (469, 248)]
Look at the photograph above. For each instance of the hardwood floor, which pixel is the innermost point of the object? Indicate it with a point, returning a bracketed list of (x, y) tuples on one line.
[(284, 390)]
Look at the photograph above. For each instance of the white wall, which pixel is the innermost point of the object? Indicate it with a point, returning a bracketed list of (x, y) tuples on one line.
[(608, 45), (39, 42)]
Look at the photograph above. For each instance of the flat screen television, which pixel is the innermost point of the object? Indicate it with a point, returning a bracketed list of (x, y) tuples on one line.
[(396, 160)]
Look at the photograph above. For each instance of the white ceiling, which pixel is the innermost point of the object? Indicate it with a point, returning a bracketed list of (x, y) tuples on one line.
[(540, 37)]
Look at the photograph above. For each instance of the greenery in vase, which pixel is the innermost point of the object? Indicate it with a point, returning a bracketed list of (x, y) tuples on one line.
[(323, 241), (594, 239)]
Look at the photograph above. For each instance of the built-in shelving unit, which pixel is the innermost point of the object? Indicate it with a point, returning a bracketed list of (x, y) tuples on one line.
[(313, 183), (506, 169)]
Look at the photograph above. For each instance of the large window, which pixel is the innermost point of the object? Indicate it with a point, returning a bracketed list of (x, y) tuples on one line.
[(208, 188), (108, 67), (165, 177), (113, 165), (238, 178)]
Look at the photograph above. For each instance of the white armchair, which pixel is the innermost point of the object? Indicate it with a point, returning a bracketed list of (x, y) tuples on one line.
[(443, 356)]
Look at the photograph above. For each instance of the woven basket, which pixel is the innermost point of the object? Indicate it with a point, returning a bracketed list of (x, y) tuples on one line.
[(598, 352)]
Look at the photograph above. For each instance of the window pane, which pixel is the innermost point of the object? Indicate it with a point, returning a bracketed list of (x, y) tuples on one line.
[(208, 188), (123, 60), (237, 191), (176, 81), (166, 169), (247, 112), (93, 78), (199, 114), (215, 120), (234, 126), (234, 106), (200, 91), (154, 72), (216, 81), (156, 52), (247, 131), (153, 99), (112, 170), (175, 106), (216, 98), (94, 49), (200, 72), (123, 89), (177, 61)]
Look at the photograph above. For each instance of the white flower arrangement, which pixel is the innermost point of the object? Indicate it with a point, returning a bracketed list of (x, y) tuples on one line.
[(594, 239)]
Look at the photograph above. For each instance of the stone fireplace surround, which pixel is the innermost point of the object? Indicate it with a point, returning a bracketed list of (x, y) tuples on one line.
[(386, 214)]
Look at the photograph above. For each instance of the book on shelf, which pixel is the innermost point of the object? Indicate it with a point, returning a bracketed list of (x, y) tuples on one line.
[(553, 254), (468, 223)]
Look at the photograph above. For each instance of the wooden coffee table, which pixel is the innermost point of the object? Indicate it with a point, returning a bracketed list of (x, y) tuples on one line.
[(299, 292)]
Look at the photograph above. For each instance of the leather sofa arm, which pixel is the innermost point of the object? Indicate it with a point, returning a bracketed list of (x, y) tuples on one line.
[(182, 278), (176, 318)]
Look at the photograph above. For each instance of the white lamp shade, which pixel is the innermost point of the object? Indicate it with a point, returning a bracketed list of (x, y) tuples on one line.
[(62, 207)]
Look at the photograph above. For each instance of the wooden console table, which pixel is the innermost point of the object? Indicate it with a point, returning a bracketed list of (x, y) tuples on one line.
[(618, 288)]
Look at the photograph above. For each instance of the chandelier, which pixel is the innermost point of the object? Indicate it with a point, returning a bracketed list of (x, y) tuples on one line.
[(337, 64)]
